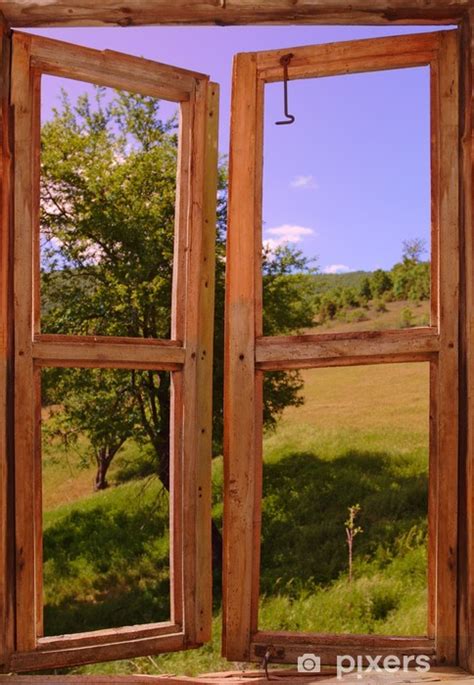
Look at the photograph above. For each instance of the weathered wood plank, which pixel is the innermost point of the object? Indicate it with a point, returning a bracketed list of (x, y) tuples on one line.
[(107, 636), (22, 99), (289, 645), (204, 371), (7, 582), (251, 677), (229, 12), (108, 355), (347, 57), (239, 381), (466, 471), (449, 257), (349, 348), (197, 379), (113, 69), (62, 658)]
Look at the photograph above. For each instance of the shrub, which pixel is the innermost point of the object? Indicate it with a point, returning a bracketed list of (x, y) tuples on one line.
[(380, 306), (356, 315), (407, 319)]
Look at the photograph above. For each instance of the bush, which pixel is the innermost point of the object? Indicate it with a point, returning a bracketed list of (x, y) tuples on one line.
[(407, 319), (380, 306), (356, 315)]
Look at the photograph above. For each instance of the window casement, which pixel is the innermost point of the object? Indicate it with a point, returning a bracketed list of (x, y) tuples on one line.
[(249, 353), (187, 355)]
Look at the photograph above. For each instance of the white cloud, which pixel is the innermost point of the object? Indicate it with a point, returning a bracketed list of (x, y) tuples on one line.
[(306, 182), (336, 269), (288, 233)]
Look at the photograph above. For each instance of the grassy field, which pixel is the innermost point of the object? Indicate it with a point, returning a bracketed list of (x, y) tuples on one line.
[(361, 437)]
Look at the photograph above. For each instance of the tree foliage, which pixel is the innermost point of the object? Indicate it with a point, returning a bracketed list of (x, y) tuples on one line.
[(107, 232)]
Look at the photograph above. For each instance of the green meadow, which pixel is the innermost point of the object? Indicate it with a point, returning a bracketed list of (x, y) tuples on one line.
[(360, 437)]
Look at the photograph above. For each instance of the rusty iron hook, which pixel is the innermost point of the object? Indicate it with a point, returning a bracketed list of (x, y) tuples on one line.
[(269, 651), (285, 61)]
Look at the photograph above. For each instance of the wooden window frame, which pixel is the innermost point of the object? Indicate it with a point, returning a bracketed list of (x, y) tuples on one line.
[(249, 354), (188, 355), (30, 14)]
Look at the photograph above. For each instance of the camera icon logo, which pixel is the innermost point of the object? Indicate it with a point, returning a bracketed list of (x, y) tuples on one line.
[(309, 663)]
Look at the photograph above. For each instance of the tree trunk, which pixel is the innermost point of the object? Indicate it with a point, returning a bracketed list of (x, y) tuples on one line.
[(100, 482), (103, 457)]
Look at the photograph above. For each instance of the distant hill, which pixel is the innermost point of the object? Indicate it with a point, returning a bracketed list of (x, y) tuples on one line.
[(353, 279)]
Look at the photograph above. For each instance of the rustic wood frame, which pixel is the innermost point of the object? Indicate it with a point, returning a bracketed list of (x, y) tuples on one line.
[(188, 355), (30, 13), (249, 353)]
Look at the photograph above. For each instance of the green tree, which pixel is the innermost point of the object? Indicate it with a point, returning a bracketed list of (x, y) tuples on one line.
[(380, 283), (107, 232), (411, 277), (413, 249), (365, 290), (102, 409)]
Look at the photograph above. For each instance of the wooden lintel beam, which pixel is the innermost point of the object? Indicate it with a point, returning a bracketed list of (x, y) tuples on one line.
[(30, 13)]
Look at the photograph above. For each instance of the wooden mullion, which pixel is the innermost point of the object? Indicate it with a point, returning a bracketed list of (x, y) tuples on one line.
[(24, 406), (7, 582), (448, 384), (196, 457), (466, 473), (240, 402), (176, 499), (257, 465), (433, 485), (205, 358)]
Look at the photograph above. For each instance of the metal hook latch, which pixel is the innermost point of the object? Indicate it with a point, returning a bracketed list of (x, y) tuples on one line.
[(285, 61), (268, 655)]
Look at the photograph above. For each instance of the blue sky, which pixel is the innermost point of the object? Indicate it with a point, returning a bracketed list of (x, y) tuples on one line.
[(350, 179)]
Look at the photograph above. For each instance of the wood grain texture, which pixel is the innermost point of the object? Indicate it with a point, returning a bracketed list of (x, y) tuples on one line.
[(62, 658), (309, 350), (239, 374), (328, 647), (112, 69), (24, 405), (197, 580), (6, 346), (108, 355), (437, 345), (448, 386), (349, 57), (107, 636), (466, 470), (250, 677), (190, 359), (229, 12), (204, 371)]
